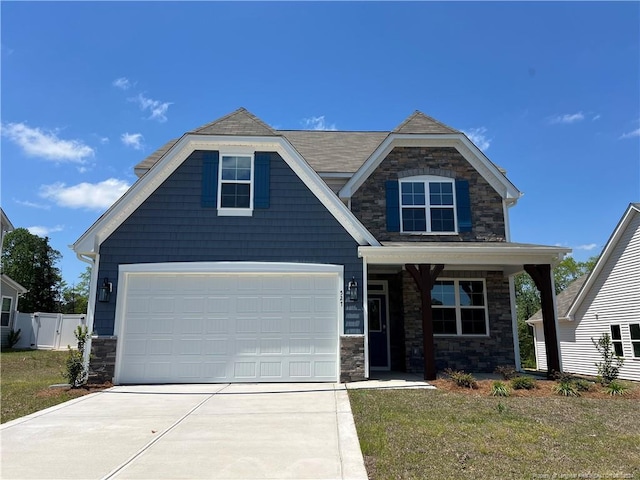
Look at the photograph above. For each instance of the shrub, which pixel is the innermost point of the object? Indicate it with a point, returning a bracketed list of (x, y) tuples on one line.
[(76, 372), (507, 371), (523, 383), (13, 337), (499, 389), (583, 385), (610, 365), (616, 388), (462, 379), (566, 389)]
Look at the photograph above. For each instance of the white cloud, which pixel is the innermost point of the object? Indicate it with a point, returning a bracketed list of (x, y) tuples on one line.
[(122, 83), (631, 134), (588, 247), (26, 203), (568, 118), (478, 137), (317, 123), (88, 196), (47, 145), (596, 117), (133, 140), (156, 108), (42, 231), (104, 140)]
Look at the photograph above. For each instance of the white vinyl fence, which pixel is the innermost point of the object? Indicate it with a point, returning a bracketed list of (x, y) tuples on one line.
[(47, 331)]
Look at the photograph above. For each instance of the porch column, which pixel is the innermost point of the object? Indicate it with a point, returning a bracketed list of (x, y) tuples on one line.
[(424, 277), (541, 276)]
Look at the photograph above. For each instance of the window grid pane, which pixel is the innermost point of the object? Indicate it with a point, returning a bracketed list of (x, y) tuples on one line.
[(413, 193), (414, 220), (443, 293), (473, 321), (235, 195), (444, 321), (459, 307), (617, 348), (615, 332), (440, 193), (442, 220)]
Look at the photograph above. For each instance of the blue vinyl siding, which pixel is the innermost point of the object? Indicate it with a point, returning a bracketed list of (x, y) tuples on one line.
[(173, 226), (261, 179)]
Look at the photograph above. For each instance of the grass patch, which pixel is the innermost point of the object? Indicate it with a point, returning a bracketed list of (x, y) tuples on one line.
[(25, 377), (412, 434)]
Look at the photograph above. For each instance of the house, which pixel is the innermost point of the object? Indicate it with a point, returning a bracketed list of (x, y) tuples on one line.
[(605, 301), (249, 254), (11, 290)]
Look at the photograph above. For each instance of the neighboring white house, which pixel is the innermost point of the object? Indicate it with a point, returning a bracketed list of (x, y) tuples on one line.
[(605, 301), (11, 290)]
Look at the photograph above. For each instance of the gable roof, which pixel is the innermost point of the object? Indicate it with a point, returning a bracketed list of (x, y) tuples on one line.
[(631, 212), (564, 299), (418, 123), (238, 123)]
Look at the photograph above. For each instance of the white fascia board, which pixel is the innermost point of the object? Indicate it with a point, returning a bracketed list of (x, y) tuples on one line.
[(460, 142), (10, 282), (90, 241), (612, 243), (486, 256)]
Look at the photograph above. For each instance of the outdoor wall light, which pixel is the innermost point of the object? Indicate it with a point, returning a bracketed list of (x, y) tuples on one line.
[(104, 291), (353, 290)]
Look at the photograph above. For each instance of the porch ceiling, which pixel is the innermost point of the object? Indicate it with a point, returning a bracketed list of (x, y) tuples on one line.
[(505, 256)]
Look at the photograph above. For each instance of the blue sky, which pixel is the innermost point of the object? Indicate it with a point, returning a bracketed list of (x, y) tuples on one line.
[(550, 91)]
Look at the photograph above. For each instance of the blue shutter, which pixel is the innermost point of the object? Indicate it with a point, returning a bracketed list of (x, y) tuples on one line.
[(261, 181), (393, 206), (210, 161), (463, 205)]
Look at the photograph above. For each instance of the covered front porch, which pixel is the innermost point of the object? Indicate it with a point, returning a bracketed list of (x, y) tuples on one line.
[(438, 305)]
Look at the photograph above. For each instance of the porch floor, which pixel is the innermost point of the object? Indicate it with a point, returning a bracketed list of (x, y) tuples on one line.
[(390, 379)]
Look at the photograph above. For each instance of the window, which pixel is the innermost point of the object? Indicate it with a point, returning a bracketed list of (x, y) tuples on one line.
[(634, 329), (6, 311), (428, 205), (616, 340), (236, 178), (459, 307)]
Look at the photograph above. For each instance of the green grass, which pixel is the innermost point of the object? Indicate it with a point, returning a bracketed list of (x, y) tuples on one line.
[(25, 377), (412, 434)]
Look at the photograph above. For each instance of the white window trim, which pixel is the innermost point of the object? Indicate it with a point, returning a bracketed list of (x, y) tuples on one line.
[(426, 179), (632, 341), (459, 307), (618, 340), (10, 308), (235, 212)]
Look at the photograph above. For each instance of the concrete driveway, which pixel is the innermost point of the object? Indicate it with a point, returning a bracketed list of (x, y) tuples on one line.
[(231, 431)]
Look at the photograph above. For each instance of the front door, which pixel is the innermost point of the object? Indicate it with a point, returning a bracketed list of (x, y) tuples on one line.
[(378, 329)]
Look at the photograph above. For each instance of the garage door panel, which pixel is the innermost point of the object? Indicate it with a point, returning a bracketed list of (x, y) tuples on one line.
[(229, 327)]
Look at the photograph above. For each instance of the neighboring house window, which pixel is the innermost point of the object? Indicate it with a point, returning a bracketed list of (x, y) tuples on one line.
[(6, 310), (634, 329), (459, 307), (427, 204), (616, 340)]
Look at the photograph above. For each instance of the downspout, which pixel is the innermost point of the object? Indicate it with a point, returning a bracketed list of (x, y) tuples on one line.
[(91, 305), (514, 322), (365, 316)]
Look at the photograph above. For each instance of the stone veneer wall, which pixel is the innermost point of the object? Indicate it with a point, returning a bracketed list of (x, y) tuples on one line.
[(369, 202), (472, 354), (102, 364), (352, 358)]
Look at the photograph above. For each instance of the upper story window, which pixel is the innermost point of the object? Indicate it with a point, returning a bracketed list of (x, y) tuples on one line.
[(428, 205), (235, 185)]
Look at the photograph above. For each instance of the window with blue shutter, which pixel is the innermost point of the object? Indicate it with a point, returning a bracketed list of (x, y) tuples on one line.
[(210, 161), (262, 180), (393, 206), (463, 205)]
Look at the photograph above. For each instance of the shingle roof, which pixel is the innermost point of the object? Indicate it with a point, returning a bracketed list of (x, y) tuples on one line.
[(325, 151), (332, 151), (564, 299), (418, 122)]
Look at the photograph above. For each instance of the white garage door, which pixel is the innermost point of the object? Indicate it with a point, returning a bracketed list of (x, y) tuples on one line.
[(227, 326)]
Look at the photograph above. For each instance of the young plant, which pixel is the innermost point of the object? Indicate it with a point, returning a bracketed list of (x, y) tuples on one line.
[(461, 379), (566, 389), (76, 373), (583, 385), (499, 389), (609, 367), (523, 383), (507, 371), (13, 337), (616, 388)]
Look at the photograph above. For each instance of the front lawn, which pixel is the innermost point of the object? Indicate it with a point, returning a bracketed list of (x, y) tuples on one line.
[(25, 377), (411, 434)]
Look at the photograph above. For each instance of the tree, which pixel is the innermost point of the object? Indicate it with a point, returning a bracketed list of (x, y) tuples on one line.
[(528, 300), (75, 298), (31, 261)]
